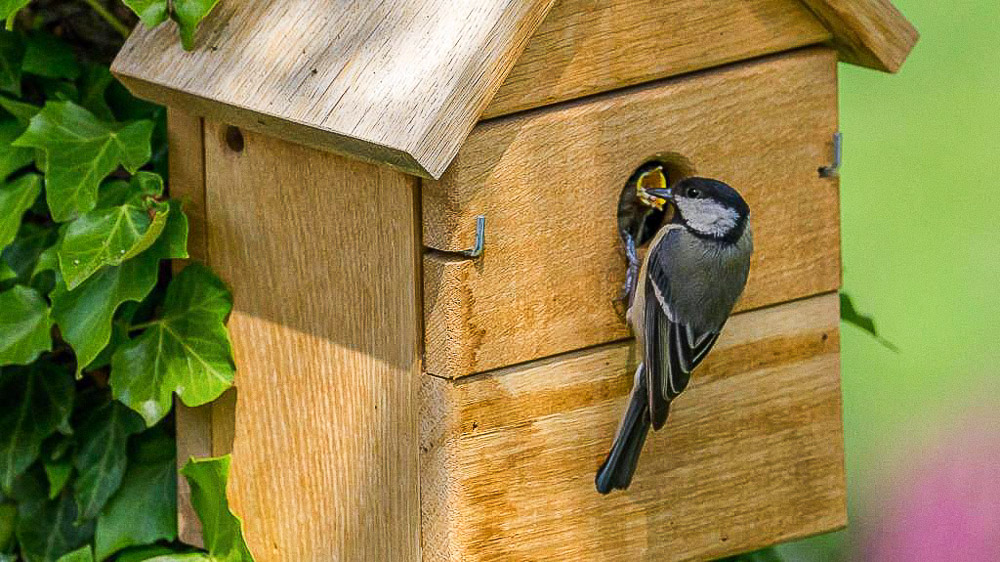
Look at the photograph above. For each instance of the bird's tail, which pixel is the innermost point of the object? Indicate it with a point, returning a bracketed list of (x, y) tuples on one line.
[(618, 468)]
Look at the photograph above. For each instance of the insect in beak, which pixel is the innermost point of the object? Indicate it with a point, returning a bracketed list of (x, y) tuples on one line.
[(651, 189)]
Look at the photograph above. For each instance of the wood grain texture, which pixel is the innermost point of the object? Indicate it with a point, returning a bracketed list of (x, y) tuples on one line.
[(871, 33), (752, 454), (548, 182), (398, 81), (322, 255), (186, 183), (589, 46)]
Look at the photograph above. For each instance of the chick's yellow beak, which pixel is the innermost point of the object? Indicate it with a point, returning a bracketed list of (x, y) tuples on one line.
[(651, 188)]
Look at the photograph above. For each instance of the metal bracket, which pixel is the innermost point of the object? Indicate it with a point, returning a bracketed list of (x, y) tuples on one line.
[(480, 244), (833, 171)]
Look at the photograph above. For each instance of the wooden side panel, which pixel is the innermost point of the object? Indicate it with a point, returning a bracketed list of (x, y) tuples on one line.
[(870, 33), (752, 454), (187, 176), (589, 46), (187, 183), (548, 182), (396, 81), (321, 254)]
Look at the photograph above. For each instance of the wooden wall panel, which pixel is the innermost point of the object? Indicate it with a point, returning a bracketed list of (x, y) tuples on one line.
[(589, 46), (752, 454), (187, 183), (548, 182), (322, 255)]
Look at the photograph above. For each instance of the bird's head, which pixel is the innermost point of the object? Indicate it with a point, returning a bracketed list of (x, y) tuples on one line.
[(706, 207)]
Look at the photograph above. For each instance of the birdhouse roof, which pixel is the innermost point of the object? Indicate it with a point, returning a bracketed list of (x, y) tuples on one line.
[(399, 82)]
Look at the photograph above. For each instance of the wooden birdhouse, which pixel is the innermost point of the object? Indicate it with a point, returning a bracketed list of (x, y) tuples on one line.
[(417, 382)]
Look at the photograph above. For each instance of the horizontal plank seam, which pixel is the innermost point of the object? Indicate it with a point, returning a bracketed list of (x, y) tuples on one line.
[(614, 343)]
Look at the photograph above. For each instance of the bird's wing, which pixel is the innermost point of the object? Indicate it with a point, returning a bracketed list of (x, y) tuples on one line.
[(672, 348)]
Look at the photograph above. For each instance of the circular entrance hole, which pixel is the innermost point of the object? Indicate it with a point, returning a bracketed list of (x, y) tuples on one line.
[(637, 220), (234, 139)]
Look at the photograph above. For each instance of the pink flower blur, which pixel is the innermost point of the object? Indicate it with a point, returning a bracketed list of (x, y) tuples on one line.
[(949, 510)]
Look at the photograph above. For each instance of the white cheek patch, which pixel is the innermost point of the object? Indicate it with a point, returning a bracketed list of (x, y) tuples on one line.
[(707, 216)]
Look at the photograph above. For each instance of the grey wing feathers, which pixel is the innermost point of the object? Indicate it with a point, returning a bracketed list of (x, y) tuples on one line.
[(690, 288), (656, 356), (672, 351)]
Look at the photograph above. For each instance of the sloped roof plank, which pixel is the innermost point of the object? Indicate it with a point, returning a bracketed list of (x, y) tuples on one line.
[(396, 81), (870, 33)]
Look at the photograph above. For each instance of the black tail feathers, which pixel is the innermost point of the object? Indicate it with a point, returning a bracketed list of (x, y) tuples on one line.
[(617, 470)]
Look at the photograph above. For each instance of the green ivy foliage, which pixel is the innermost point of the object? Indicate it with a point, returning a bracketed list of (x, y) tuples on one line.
[(95, 337), (46, 57), (187, 13)]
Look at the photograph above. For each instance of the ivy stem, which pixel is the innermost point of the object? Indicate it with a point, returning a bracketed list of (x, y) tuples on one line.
[(109, 17)]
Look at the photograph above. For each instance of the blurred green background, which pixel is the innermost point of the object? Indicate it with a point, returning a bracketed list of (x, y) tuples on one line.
[(921, 253)]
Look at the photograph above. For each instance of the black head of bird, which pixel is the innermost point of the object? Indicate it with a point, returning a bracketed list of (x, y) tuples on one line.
[(707, 208)]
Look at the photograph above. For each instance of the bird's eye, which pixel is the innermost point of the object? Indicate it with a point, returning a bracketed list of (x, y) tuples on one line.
[(694, 193)]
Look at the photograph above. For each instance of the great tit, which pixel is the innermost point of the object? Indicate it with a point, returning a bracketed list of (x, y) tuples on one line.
[(693, 274)]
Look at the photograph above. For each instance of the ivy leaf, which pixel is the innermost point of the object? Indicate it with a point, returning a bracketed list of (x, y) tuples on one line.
[(82, 555), (186, 351), (46, 55), (109, 237), (48, 260), (8, 522), (9, 9), (130, 108), (148, 553), (25, 326), (84, 315), (12, 158), (93, 86), (151, 12), (48, 529), (11, 53), (58, 473), (222, 531), (29, 488), (150, 488), (57, 89), (119, 335), (6, 273), (188, 14), (34, 402), (22, 111), (16, 198), (23, 253), (102, 456), (80, 152)]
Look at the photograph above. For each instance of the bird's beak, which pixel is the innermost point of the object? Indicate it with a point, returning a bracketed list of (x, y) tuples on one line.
[(667, 194)]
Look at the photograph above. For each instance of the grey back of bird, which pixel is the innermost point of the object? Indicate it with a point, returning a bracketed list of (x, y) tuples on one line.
[(700, 285)]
